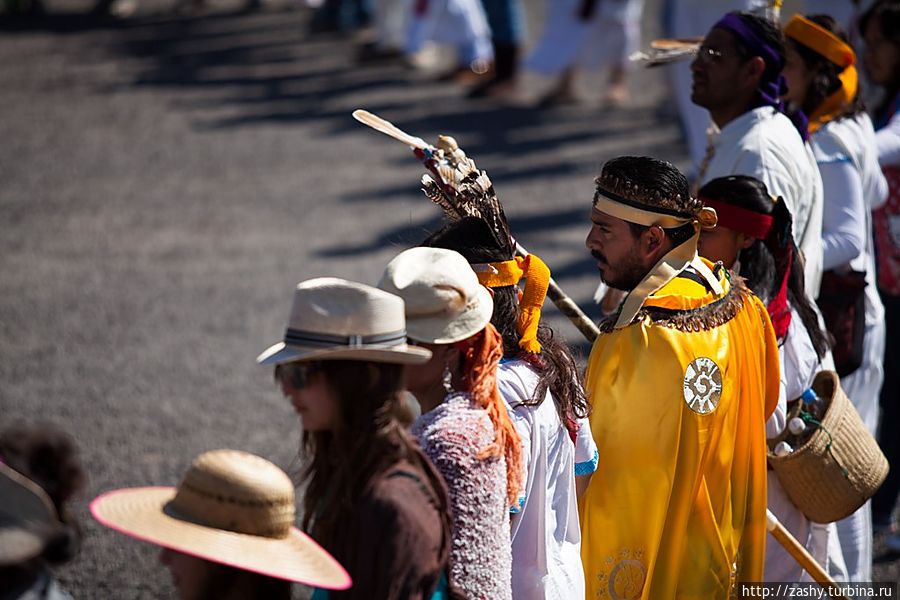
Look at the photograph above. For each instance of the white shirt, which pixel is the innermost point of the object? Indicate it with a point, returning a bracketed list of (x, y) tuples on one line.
[(763, 143), (888, 140), (848, 159), (546, 536)]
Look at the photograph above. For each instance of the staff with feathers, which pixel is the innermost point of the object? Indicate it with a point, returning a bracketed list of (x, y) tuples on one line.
[(462, 190)]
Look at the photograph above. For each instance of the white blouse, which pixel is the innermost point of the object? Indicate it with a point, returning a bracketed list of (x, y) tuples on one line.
[(763, 143), (546, 536)]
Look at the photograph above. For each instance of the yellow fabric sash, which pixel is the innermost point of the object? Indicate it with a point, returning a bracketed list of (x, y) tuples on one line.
[(823, 42), (510, 272)]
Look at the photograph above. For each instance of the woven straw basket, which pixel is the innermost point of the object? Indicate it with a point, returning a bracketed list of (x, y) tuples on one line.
[(828, 484)]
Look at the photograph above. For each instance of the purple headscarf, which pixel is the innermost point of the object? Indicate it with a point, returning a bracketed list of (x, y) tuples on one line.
[(772, 85)]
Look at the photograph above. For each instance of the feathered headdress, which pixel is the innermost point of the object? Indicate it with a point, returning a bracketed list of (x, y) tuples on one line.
[(461, 189), (455, 183)]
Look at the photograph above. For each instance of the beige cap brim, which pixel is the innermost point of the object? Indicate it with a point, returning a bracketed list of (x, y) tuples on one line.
[(142, 513), (438, 330), (402, 354)]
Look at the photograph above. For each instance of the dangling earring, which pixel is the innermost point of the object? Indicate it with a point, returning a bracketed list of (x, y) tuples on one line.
[(447, 379)]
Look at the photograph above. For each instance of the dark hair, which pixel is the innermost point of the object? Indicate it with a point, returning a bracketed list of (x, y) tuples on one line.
[(652, 182), (771, 36), (47, 455), (368, 438), (556, 367), (763, 263), (649, 181), (223, 579), (826, 75), (886, 15)]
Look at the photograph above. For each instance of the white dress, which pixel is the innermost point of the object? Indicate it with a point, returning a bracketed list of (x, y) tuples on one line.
[(888, 141), (458, 23), (763, 143), (799, 365), (854, 185), (607, 39), (546, 537)]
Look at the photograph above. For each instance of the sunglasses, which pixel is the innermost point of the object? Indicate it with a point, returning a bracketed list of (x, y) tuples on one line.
[(709, 56), (297, 374)]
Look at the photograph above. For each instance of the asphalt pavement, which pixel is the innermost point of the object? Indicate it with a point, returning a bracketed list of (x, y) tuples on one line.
[(167, 178)]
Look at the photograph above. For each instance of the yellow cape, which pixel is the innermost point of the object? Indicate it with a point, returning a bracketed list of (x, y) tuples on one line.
[(677, 506)]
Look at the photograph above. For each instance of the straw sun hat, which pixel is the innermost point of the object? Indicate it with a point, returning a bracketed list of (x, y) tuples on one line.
[(232, 508), (27, 518), (335, 319), (444, 301)]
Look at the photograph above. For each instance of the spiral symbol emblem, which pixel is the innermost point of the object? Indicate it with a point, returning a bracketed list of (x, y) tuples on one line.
[(702, 385)]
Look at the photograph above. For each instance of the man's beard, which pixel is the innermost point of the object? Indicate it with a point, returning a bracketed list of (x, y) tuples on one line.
[(629, 272)]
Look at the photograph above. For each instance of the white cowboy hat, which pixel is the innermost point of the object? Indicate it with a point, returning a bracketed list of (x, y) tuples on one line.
[(444, 301), (231, 508), (27, 518), (335, 319)]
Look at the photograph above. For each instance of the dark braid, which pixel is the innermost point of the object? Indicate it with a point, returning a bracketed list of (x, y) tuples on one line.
[(762, 262)]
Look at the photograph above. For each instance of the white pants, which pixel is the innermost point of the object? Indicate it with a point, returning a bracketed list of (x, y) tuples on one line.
[(391, 18)]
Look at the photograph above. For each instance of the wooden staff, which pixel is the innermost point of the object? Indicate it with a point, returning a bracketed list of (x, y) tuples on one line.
[(803, 558), (567, 306), (590, 331)]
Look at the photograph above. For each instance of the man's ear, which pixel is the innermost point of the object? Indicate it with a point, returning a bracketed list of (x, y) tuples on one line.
[(653, 242), (754, 69)]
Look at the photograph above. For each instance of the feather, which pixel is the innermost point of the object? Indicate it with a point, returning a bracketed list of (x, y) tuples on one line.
[(473, 193), (434, 193), (388, 128), (459, 187)]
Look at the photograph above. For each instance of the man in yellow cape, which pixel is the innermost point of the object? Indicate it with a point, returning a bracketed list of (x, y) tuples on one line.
[(682, 379)]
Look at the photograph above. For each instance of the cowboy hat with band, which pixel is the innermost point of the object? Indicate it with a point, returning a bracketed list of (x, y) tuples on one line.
[(336, 319)]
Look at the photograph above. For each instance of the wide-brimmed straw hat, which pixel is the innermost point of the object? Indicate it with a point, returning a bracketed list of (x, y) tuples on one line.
[(232, 508), (444, 301), (335, 319), (27, 518)]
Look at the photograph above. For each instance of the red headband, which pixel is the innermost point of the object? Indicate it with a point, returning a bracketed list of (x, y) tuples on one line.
[(778, 308), (758, 225), (740, 219)]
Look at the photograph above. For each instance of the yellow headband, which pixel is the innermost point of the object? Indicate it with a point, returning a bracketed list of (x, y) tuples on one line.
[(510, 272), (820, 40), (825, 43)]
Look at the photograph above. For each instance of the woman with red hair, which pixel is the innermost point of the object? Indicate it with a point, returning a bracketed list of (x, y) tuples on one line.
[(465, 429)]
